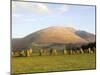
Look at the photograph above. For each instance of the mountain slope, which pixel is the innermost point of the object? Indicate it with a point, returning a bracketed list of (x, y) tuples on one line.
[(56, 34), (85, 35)]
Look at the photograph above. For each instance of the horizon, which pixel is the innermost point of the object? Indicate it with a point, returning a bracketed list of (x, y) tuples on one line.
[(29, 17)]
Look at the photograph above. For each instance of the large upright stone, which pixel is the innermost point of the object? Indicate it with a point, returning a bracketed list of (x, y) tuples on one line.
[(90, 51), (41, 52), (54, 52), (22, 53), (81, 50), (65, 52), (28, 52)]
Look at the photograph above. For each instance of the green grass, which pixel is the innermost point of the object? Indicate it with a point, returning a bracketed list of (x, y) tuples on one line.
[(52, 63)]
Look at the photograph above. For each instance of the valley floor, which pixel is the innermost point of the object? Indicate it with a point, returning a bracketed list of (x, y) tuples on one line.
[(53, 63)]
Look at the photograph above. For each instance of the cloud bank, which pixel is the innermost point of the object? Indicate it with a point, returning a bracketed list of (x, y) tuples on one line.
[(39, 8)]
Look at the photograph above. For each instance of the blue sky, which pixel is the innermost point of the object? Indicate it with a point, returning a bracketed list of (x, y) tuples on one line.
[(28, 17)]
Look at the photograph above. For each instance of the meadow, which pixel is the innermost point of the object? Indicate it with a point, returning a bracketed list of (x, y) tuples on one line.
[(47, 63)]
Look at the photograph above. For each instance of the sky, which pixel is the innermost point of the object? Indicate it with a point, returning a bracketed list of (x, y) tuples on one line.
[(28, 17)]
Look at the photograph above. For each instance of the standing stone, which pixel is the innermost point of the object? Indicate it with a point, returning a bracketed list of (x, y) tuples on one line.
[(54, 52), (90, 51), (71, 51), (22, 53), (65, 52), (81, 50), (28, 53), (41, 52)]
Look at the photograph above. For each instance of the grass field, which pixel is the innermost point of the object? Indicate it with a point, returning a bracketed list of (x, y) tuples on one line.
[(52, 63)]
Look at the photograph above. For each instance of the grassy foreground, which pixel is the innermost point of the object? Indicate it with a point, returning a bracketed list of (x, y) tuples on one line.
[(52, 63)]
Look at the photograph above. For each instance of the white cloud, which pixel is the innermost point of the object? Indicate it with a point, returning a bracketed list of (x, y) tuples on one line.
[(35, 7), (39, 8)]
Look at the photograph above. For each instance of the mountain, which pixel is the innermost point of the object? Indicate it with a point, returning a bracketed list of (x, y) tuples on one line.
[(56, 35), (85, 35)]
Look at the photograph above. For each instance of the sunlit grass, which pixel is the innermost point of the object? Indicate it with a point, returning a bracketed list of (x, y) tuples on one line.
[(52, 63)]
